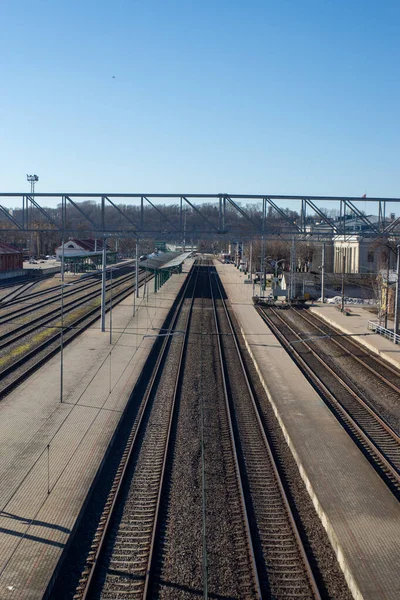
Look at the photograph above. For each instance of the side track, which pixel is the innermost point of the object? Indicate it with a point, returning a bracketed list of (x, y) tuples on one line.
[(37, 353), (372, 434)]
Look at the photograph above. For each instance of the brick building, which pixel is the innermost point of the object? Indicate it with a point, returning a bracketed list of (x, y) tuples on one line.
[(10, 258)]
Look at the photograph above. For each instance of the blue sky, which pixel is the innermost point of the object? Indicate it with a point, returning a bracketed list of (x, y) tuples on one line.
[(279, 97)]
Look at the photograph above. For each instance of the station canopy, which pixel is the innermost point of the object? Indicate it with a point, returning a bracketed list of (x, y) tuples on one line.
[(166, 260)]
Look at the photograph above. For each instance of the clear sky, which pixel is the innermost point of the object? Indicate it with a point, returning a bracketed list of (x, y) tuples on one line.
[(209, 96)]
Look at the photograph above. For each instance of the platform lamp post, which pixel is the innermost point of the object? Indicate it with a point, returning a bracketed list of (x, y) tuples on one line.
[(32, 179)]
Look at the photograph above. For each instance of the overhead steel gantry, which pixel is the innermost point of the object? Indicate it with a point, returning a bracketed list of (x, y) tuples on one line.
[(250, 220)]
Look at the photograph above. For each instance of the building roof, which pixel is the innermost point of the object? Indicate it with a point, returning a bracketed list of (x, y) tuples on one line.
[(157, 261), (7, 249), (88, 244), (175, 262)]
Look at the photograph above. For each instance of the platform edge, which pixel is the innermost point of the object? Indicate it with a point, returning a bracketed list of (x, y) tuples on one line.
[(350, 579)]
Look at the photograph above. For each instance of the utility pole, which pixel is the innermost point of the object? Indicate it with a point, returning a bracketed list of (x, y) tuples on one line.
[(343, 269), (62, 321), (136, 290), (103, 288), (387, 290), (111, 274), (292, 285), (323, 274), (396, 300)]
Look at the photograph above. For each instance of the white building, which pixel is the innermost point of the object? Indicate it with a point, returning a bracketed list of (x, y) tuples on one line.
[(356, 253), (75, 247)]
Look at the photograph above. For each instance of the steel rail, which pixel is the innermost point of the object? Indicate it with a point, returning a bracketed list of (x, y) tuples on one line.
[(88, 280), (21, 331), (178, 381), (100, 536), (299, 543), (338, 343), (53, 296), (362, 436), (73, 330), (361, 401), (249, 540), (6, 283), (20, 290)]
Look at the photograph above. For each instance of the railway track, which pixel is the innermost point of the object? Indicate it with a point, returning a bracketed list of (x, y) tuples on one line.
[(280, 558), (130, 556), (23, 366), (194, 535), (126, 541), (379, 442), (21, 289), (29, 303), (379, 368), (19, 331)]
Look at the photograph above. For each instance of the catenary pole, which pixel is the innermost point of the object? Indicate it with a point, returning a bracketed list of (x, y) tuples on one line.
[(387, 290), (111, 278), (323, 274), (396, 300), (62, 322), (103, 288), (343, 270), (137, 268)]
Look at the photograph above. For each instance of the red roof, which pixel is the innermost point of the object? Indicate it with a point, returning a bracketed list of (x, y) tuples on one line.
[(89, 244), (7, 249)]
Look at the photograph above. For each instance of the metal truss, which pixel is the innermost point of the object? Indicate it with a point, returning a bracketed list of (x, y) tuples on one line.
[(230, 214)]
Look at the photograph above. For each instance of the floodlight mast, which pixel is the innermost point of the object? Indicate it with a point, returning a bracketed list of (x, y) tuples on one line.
[(32, 180)]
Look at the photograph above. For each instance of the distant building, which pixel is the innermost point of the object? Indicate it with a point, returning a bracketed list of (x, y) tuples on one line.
[(355, 254), (10, 258), (76, 247), (357, 247), (84, 255), (310, 285)]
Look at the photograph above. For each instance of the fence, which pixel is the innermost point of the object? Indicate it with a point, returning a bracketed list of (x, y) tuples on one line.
[(387, 333)]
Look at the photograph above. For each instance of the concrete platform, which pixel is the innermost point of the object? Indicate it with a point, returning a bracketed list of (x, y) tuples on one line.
[(359, 513), (50, 451), (357, 324)]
